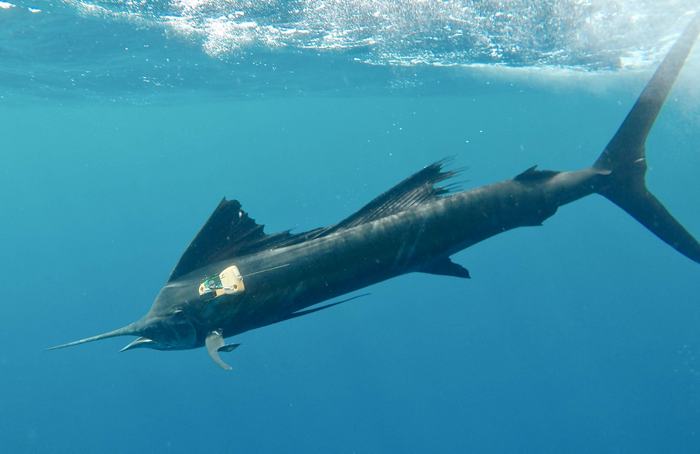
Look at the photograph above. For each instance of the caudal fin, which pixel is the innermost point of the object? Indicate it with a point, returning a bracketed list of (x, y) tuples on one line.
[(624, 158)]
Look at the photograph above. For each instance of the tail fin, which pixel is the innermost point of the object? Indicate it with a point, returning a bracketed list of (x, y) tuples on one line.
[(624, 157)]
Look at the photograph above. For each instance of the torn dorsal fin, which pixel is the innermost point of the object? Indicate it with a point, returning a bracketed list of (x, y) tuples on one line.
[(229, 232), (532, 174), (415, 190), (445, 267)]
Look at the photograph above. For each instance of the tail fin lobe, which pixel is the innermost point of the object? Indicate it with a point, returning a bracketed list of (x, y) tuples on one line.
[(627, 145), (632, 195)]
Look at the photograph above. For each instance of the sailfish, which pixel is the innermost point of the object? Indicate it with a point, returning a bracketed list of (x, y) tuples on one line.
[(233, 277)]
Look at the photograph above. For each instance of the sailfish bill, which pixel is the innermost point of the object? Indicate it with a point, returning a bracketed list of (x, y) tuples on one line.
[(125, 331)]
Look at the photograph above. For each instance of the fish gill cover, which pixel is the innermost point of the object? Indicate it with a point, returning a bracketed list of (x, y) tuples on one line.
[(134, 49)]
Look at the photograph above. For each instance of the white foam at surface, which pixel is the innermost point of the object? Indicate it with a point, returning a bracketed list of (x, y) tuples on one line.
[(574, 33), (261, 47)]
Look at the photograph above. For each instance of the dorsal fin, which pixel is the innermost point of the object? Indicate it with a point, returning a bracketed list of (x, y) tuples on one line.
[(415, 190), (532, 174), (229, 232)]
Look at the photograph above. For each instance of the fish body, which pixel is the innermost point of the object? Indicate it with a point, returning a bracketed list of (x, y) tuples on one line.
[(413, 227)]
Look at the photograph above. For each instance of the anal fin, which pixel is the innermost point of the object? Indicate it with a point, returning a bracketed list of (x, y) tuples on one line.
[(445, 267)]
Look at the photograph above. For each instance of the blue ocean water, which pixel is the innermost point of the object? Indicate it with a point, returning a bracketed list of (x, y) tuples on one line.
[(125, 123)]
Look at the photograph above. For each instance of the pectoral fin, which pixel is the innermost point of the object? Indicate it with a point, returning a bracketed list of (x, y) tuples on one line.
[(215, 344)]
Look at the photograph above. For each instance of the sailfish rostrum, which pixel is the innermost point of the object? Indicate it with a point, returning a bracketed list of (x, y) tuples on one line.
[(233, 277)]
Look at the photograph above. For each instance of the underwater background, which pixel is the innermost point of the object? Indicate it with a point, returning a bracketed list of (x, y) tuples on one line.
[(124, 123)]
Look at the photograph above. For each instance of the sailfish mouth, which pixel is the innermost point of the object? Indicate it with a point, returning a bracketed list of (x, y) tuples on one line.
[(140, 342)]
